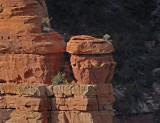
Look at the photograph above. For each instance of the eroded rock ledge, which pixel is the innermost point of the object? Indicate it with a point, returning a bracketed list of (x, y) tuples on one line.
[(33, 56), (56, 104), (30, 57)]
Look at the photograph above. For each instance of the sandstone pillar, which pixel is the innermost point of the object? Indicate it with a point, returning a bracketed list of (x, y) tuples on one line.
[(27, 55), (92, 64), (91, 59)]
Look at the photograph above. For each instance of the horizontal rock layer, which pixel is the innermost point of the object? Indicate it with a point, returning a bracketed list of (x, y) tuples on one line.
[(56, 104), (88, 45), (30, 68), (15, 116), (43, 43), (27, 55), (22, 16), (91, 59)]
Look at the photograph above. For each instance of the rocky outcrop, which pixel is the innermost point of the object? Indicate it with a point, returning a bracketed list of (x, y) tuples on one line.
[(92, 63), (26, 54), (29, 68), (88, 45), (91, 59), (56, 104), (28, 60)]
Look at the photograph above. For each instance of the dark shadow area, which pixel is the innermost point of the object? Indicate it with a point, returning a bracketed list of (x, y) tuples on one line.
[(5, 115), (144, 118)]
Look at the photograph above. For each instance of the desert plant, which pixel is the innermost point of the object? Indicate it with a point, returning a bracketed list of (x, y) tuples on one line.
[(1, 10), (107, 37), (46, 21), (58, 79), (45, 25)]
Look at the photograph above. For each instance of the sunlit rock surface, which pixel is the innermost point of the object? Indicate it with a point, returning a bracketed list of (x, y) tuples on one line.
[(26, 54), (56, 104)]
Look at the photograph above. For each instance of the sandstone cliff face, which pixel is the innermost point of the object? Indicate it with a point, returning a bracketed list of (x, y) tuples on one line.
[(56, 104), (26, 54), (29, 57)]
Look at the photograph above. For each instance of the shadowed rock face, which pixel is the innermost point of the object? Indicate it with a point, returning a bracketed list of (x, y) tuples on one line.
[(91, 59), (26, 54)]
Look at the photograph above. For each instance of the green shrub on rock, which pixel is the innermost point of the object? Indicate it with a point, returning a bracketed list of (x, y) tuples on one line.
[(1, 10), (58, 79)]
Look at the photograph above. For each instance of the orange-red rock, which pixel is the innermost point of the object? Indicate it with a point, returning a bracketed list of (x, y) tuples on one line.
[(43, 43), (85, 44), (20, 29), (29, 68), (22, 16), (81, 117), (15, 116), (26, 54), (56, 104), (91, 59), (92, 63), (24, 103), (92, 69)]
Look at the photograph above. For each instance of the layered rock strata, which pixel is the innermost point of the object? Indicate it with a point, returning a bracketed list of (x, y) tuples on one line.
[(91, 59), (26, 54), (56, 104), (93, 64)]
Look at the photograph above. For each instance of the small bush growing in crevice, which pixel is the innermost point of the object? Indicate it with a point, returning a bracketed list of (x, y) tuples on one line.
[(45, 25), (58, 79), (107, 37), (1, 10)]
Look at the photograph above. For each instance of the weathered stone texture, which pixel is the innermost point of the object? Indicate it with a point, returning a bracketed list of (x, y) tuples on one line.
[(81, 117), (29, 57), (14, 116), (92, 69), (29, 68), (92, 63), (43, 43), (22, 16), (85, 44), (91, 59), (26, 54), (56, 104)]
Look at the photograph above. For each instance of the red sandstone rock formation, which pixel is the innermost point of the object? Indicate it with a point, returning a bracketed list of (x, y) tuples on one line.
[(92, 63), (56, 104), (91, 59), (29, 56), (26, 54), (88, 45)]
